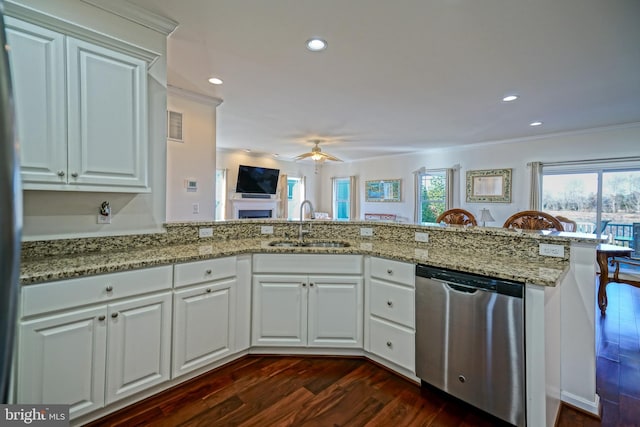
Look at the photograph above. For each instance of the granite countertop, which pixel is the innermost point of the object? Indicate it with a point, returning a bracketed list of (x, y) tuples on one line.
[(78, 265)]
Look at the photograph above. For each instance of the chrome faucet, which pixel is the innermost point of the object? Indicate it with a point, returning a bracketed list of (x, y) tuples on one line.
[(303, 232)]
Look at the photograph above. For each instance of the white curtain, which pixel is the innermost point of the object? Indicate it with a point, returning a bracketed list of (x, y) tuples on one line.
[(353, 197), (449, 198), (416, 193), (283, 195), (535, 196), (221, 199), (332, 213)]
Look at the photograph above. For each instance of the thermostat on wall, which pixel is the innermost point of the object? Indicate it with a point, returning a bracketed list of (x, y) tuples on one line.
[(191, 184)]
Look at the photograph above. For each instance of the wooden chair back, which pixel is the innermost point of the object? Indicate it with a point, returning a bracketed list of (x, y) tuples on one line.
[(457, 217), (568, 224), (533, 220)]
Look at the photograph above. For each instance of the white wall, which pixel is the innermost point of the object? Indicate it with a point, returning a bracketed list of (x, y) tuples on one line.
[(620, 141), (230, 160), (55, 214), (193, 159)]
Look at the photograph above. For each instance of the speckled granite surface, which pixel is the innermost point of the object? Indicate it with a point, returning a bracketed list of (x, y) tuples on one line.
[(489, 251)]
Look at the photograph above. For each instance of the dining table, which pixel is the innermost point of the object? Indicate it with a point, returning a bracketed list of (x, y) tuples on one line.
[(604, 253)]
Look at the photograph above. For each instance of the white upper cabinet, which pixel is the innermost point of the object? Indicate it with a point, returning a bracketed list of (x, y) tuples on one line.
[(38, 72), (81, 110)]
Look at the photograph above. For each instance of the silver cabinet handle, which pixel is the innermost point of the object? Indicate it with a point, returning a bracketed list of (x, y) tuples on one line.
[(101, 318), (114, 315), (390, 303), (74, 174), (389, 271), (60, 173), (109, 288), (208, 291), (208, 271), (389, 344)]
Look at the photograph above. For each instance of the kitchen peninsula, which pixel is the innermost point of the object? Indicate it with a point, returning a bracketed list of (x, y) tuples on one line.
[(558, 329)]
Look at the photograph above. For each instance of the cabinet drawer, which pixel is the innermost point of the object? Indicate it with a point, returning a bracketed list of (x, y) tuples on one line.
[(204, 271), (393, 302), (393, 271), (307, 264), (394, 343), (52, 296)]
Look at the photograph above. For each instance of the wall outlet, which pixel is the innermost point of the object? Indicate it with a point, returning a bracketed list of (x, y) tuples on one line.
[(422, 237), (551, 250), (196, 208), (266, 229), (205, 232), (104, 219), (366, 231)]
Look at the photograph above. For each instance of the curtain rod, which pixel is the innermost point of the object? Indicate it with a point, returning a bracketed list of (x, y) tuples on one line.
[(591, 161)]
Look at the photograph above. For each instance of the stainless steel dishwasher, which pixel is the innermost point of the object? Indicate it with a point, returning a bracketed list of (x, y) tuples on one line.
[(470, 339)]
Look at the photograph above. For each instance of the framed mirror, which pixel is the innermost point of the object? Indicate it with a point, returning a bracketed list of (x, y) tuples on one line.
[(383, 190), (489, 186)]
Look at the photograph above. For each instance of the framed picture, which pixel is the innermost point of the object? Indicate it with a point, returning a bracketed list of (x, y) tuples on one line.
[(383, 190), (489, 186)]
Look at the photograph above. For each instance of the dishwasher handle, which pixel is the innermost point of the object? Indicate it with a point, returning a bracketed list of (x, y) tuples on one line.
[(462, 288)]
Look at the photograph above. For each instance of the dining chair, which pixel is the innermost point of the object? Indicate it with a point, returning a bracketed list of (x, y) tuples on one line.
[(533, 220), (625, 271), (457, 217), (568, 224)]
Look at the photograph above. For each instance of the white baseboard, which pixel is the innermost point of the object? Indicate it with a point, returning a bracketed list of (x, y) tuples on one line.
[(592, 407)]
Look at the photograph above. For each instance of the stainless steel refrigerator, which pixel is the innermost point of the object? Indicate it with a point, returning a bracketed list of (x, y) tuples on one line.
[(10, 218)]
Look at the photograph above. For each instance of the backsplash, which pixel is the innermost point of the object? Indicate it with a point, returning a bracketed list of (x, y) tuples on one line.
[(495, 241)]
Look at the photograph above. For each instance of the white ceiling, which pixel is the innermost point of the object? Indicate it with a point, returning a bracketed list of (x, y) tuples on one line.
[(405, 75)]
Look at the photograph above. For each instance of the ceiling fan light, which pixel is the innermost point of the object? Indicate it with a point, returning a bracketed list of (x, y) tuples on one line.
[(316, 157)]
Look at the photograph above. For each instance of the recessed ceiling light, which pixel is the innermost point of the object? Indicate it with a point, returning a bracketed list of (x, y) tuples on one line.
[(316, 45), (510, 98), (215, 81), (536, 123)]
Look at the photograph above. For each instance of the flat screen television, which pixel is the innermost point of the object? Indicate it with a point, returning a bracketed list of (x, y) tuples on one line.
[(256, 180)]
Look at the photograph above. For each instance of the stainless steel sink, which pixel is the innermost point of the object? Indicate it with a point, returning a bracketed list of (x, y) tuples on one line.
[(295, 243)]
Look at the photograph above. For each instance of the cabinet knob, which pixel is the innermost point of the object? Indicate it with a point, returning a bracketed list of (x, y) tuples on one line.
[(109, 288), (389, 271), (208, 271), (208, 290), (74, 174), (311, 284), (389, 344), (60, 173), (101, 318), (304, 285), (114, 315), (390, 303)]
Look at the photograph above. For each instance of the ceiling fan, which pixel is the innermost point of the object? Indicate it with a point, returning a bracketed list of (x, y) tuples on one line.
[(317, 155)]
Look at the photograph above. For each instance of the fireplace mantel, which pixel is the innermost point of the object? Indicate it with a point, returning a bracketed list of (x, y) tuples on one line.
[(249, 204)]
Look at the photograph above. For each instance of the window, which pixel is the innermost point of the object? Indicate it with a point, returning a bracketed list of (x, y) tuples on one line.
[(342, 199), (600, 200), (221, 194), (295, 196), (432, 195)]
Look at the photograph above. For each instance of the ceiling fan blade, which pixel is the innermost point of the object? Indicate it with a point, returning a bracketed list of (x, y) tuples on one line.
[(330, 157)]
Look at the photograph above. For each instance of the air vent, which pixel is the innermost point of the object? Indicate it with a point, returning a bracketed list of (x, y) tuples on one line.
[(175, 126)]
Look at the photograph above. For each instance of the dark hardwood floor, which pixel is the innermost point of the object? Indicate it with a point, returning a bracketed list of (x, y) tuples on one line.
[(326, 391)]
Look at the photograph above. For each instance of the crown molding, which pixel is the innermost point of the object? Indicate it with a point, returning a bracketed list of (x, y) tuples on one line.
[(137, 14), (184, 93)]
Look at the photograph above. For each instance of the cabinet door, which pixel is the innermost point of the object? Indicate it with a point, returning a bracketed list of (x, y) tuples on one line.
[(203, 328), (37, 70), (107, 117), (279, 310), (335, 311), (62, 360), (139, 345)]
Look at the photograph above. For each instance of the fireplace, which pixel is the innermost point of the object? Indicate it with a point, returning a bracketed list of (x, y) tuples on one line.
[(254, 208), (254, 213)]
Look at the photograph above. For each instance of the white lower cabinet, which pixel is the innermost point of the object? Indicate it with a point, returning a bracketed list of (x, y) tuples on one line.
[(76, 347), (390, 312), (307, 310), (204, 313)]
